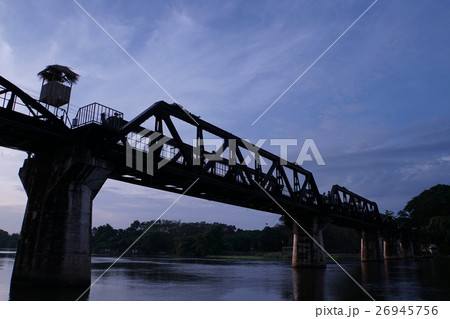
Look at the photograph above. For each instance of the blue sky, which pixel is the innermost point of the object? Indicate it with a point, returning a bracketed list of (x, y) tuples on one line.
[(376, 104)]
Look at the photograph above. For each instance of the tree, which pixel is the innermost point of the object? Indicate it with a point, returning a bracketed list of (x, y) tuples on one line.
[(389, 213), (7, 240), (430, 213), (432, 202), (186, 246), (338, 239), (244, 240), (104, 238), (154, 242), (403, 214), (438, 232), (274, 238), (4, 237), (203, 239)]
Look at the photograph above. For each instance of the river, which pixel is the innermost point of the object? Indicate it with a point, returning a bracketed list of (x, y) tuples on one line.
[(242, 279)]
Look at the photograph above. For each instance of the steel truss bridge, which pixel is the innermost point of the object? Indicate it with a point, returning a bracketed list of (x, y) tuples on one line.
[(27, 125), (150, 151)]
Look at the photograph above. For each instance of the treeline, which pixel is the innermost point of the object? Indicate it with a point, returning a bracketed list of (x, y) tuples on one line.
[(200, 239), (428, 215), (203, 239), (187, 239), (7, 240), (429, 212)]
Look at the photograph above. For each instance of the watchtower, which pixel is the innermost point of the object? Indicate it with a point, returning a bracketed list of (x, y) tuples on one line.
[(57, 81)]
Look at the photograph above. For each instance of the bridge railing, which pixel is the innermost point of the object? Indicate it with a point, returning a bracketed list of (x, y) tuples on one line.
[(60, 114), (9, 100), (96, 113), (16, 100)]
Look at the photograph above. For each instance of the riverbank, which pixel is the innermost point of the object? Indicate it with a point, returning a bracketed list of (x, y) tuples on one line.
[(245, 255), (282, 256)]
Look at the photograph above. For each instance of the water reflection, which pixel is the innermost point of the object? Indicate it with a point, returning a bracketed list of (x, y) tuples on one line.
[(43, 293), (308, 283), (193, 279), (18, 292), (220, 279)]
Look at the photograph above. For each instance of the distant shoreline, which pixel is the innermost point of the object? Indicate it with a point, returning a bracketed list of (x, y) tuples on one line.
[(262, 256), (8, 250)]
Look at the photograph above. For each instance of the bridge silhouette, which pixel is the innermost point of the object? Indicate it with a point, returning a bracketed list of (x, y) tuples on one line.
[(70, 159)]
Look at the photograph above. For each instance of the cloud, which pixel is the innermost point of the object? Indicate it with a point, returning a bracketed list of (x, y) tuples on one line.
[(376, 105), (6, 55)]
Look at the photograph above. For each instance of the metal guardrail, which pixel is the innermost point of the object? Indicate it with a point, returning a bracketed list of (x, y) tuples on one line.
[(97, 113), (61, 114), (9, 100)]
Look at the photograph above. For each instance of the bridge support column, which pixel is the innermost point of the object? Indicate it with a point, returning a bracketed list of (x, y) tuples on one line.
[(371, 246), (391, 247), (54, 245), (407, 248), (305, 252)]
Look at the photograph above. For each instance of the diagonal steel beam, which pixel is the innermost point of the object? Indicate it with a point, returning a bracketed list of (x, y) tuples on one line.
[(31, 103)]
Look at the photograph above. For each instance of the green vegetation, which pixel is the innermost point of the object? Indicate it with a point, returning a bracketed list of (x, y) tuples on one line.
[(438, 232), (428, 204), (430, 213), (213, 240), (341, 240), (188, 239), (7, 240)]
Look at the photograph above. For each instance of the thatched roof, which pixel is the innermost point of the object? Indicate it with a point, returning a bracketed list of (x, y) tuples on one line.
[(59, 73)]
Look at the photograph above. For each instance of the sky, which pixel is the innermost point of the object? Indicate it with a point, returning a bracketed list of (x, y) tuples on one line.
[(376, 103)]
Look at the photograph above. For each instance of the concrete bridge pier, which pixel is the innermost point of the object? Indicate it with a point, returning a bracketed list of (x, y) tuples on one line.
[(371, 245), (391, 247), (305, 251), (407, 248), (54, 242)]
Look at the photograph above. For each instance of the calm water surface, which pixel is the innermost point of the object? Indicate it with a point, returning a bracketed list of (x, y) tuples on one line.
[(219, 279)]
